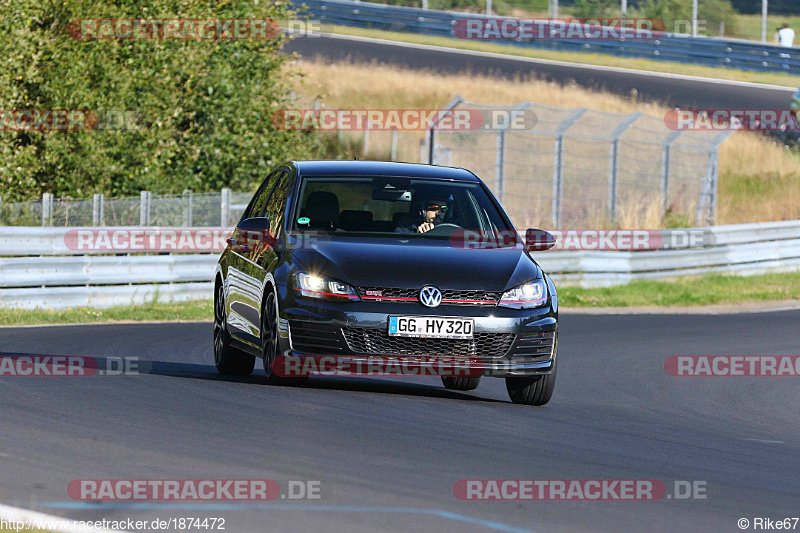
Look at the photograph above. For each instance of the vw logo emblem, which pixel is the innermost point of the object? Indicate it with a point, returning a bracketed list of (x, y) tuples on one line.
[(430, 296)]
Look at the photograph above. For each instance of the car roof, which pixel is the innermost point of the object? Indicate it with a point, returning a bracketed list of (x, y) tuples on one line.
[(382, 168)]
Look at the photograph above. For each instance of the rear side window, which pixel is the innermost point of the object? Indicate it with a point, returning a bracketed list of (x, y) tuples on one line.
[(258, 204), (276, 204)]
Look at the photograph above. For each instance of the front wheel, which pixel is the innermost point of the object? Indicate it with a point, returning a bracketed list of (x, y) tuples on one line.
[(228, 359), (269, 343), (532, 390), (460, 383)]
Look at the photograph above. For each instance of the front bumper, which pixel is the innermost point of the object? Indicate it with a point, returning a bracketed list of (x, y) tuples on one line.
[(507, 342)]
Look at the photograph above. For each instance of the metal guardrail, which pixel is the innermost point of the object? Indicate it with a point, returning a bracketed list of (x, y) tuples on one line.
[(709, 51), (36, 273)]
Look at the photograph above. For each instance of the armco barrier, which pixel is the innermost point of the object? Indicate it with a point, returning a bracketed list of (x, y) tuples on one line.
[(38, 271), (709, 51)]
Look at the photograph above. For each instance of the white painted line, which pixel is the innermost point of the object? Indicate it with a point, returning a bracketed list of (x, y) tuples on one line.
[(766, 441), (524, 59), (46, 521)]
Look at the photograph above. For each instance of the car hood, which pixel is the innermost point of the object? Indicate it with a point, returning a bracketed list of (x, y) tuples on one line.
[(411, 263)]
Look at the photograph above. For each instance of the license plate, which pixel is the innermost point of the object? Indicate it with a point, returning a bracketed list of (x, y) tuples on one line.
[(432, 327)]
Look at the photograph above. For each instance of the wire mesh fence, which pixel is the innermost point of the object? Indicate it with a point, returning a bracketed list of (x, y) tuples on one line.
[(188, 209), (564, 168), (582, 167)]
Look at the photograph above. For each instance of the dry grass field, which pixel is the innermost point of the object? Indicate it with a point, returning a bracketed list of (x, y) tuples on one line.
[(759, 179)]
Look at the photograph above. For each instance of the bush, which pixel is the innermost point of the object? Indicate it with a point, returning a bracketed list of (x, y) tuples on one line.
[(595, 8), (200, 110), (677, 15)]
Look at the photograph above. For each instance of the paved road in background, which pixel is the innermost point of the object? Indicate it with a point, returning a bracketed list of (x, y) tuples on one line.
[(672, 90), (389, 451)]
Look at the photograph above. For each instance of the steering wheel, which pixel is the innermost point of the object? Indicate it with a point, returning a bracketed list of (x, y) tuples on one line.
[(444, 227)]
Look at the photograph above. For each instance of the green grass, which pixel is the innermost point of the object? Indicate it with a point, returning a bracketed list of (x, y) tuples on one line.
[(191, 311), (690, 291), (575, 57)]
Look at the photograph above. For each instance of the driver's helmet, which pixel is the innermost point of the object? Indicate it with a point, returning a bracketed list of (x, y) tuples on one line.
[(426, 199)]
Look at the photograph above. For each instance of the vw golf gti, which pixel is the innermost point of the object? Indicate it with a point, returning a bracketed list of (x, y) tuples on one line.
[(357, 261)]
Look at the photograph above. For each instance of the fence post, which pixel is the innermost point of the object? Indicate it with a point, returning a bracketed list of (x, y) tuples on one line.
[(499, 165), (614, 170), (47, 209), (665, 155), (559, 159), (98, 210), (712, 176), (366, 142), (452, 104), (394, 145), (225, 208), (187, 217), (144, 208)]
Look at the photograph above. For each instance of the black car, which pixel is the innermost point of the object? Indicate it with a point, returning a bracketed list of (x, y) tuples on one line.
[(359, 260)]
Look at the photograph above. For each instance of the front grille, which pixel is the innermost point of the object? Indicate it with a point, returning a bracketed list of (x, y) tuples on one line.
[(378, 342), (313, 337), (536, 347), (449, 297)]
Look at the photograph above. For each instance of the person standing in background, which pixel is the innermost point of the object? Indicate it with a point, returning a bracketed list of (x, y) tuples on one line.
[(785, 36)]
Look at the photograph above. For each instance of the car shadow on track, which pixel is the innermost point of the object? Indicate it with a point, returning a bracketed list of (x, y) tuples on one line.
[(116, 366)]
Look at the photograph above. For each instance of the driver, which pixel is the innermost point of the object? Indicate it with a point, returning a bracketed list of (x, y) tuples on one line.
[(432, 214)]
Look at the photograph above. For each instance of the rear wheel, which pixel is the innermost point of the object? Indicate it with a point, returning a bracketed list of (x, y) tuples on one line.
[(228, 360), (532, 390), (461, 383)]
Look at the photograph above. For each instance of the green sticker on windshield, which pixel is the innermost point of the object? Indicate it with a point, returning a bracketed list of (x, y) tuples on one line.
[(303, 220)]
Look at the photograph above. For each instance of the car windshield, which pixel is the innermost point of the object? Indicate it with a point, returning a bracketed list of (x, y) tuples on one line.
[(387, 206)]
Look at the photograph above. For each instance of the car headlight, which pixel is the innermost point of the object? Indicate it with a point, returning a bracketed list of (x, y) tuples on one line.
[(525, 296), (313, 286)]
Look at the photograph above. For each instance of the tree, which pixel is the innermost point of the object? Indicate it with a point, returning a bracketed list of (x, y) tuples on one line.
[(198, 112)]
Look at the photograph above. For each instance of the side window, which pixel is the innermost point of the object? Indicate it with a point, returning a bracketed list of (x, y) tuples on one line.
[(259, 201), (276, 205)]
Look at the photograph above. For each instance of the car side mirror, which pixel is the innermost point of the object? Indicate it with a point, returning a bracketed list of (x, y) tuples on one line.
[(255, 223), (539, 240)]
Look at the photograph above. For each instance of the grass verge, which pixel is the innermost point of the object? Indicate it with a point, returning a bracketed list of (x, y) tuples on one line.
[(689, 291), (669, 67), (189, 311)]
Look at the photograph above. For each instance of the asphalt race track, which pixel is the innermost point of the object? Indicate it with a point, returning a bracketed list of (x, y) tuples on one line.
[(388, 451), (672, 90)]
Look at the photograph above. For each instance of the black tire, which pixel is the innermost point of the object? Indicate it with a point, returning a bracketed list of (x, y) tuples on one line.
[(228, 359), (532, 390), (269, 343), (461, 383)]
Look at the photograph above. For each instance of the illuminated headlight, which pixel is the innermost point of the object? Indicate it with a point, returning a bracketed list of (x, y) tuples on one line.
[(525, 296), (313, 286)]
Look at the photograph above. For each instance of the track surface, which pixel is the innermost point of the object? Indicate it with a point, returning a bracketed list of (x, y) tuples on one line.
[(389, 451), (673, 91)]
